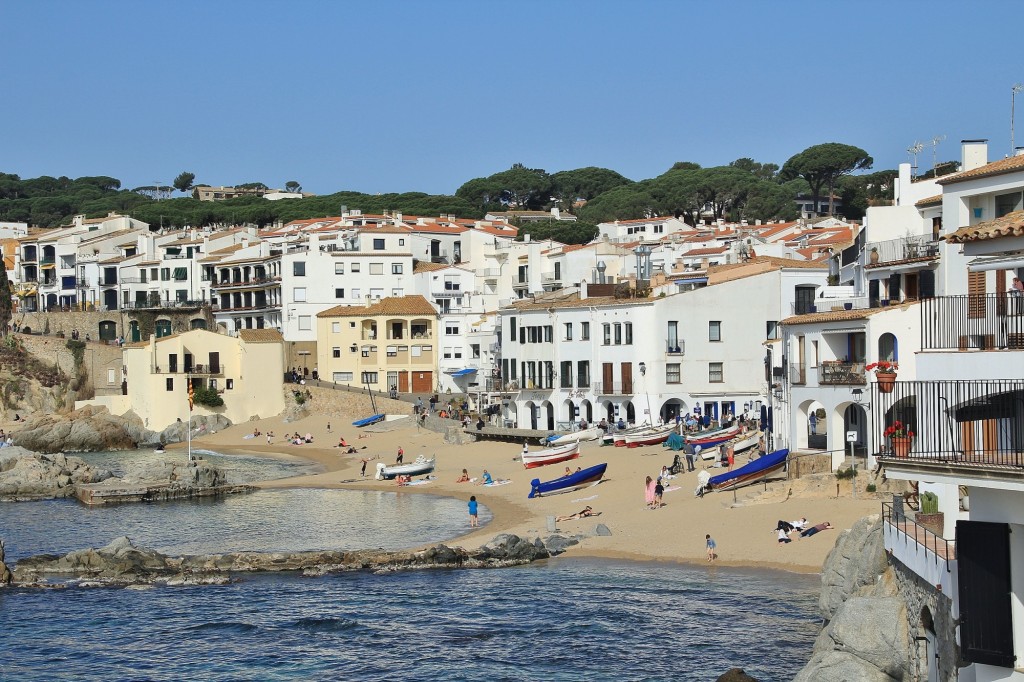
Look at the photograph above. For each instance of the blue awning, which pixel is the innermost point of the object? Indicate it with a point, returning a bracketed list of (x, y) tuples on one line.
[(463, 372)]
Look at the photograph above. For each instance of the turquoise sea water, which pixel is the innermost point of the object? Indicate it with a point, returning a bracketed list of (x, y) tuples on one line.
[(562, 619)]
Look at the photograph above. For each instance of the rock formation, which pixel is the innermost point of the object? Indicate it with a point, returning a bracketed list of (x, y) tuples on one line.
[(5, 573), (27, 475), (866, 636), (122, 563)]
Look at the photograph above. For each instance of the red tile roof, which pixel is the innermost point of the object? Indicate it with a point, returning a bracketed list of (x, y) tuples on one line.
[(1011, 164), (393, 305), (1010, 225)]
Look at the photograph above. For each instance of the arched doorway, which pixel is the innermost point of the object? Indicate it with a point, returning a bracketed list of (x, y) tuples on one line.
[(569, 411), (928, 658), (533, 412), (888, 347), (587, 411), (811, 426), (511, 414), (51, 301), (198, 323), (855, 420), (133, 331), (108, 330), (162, 328), (672, 408), (547, 415), (609, 411), (630, 413)]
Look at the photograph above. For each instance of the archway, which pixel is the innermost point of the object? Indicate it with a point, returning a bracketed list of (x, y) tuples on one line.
[(811, 426), (511, 414), (568, 412), (672, 408), (855, 420), (547, 416), (198, 323), (532, 410), (108, 330), (162, 328), (609, 411), (888, 347), (630, 413), (51, 301), (928, 658), (587, 411), (133, 331), (904, 411)]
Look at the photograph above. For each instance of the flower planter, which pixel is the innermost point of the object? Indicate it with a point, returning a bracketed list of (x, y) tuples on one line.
[(847, 306), (886, 382), (901, 446)]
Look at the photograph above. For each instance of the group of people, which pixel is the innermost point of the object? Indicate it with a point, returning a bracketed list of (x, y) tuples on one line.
[(653, 490), (7, 439), (296, 439), (784, 528), (75, 336)]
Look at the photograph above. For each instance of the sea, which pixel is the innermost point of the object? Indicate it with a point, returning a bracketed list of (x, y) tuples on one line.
[(561, 619)]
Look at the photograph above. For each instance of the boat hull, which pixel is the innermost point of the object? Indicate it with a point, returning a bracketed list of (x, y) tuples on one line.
[(577, 437), (653, 437), (574, 481), (709, 439), (752, 472), (359, 423), (417, 468), (541, 458)]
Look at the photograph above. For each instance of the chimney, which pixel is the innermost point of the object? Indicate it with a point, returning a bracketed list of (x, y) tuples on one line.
[(974, 154), (1018, 151), (583, 290)]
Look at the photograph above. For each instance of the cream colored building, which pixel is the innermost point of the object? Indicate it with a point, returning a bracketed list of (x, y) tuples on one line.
[(391, 343), (247, 371)]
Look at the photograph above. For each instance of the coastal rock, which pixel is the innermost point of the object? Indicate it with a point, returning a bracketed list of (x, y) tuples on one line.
[(88, 429), (601, 529), (736, 675), (119, 559), (27, 475), (5, 573), (838, 665), (201, 426), (198, 473), (874, 630), (556, 544), (856, 561)]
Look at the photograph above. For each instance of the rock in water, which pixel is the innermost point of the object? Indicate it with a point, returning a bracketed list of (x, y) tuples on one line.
[(736, 675), (27, 475)]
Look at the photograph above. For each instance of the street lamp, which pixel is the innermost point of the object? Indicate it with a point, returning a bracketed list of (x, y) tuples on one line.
[(1019, 87)]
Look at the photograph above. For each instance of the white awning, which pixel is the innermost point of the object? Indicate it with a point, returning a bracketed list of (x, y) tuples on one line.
[(999, 263)]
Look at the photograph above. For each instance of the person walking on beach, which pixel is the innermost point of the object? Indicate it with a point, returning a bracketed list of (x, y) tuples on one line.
[(711, 548), (328, 427), (473, 522), (401, 455), (362, 471), (649, 492), (659, 490), (690, 454)]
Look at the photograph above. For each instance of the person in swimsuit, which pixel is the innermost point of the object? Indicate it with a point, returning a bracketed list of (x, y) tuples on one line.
[(583, 513), (464, 478)]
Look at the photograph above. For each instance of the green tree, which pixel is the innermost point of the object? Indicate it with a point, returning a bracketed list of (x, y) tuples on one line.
[(764, 171), (183, 183), (292, 186), (584, 183), (252, 185), (5, 298), (564, 231), (622, 203), (823, 164)]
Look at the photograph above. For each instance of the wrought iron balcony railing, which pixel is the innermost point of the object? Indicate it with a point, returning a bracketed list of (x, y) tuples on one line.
[(902, 249), (973, 322)]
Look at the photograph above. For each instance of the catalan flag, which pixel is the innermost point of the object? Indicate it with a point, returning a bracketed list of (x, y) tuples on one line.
[(191, 396)]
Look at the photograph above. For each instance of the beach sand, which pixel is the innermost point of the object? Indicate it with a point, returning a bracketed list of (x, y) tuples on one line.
[(742, 530)]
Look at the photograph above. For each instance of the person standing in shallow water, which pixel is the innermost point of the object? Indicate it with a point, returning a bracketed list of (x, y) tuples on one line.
[(709, 541), (473, 522)]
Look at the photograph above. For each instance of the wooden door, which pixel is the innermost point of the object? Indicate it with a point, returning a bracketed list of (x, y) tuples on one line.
[(403, 381), (422, 382), (910, 286), (627, 378), (607, 374)]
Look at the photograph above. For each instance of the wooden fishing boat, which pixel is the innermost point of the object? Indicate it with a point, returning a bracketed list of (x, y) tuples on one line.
[(754, 471), (592, 433), (744, 442), (421, 466), (654, 436), (574, 481), (551, 455), (713, 437), (619, 437), (366, 421)]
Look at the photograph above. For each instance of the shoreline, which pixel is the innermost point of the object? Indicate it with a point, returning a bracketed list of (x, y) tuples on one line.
[(672, 534)]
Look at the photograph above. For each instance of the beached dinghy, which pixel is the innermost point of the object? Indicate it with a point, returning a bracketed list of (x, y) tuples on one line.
[(658, 434), (577, 436), (366, 421), (421, 466), (753, 472), (713, 437), (574, 481), (740, 444), (551, 455)]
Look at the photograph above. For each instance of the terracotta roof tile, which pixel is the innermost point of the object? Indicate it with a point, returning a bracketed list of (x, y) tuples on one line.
[(393, 305), (927, 201), (260, 336), (1010, 225), (1010, 164), (717, 251), (427, 266), (842, 315)]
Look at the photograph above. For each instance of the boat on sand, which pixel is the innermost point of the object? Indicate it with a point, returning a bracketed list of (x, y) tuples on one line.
[(574, 481), (551, 455), (420, 466)]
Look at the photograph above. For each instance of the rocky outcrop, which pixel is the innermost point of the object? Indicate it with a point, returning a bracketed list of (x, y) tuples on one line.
[(866, 637), (5, 573), (122, 563), (27, 475), (736, 675), (160, 481), (201, 426)]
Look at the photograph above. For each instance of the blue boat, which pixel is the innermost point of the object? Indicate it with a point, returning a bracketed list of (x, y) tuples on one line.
[(751, 472), (366, 421), (574, 481)]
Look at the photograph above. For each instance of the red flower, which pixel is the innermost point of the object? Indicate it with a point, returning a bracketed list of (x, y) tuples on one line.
[(898, 430), (883, 367)]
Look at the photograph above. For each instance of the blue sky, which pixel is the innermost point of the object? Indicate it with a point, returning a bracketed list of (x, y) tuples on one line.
[(422, 96)]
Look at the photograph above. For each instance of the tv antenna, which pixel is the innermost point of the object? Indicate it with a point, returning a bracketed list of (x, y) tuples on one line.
[(914, 150), (934, 144)]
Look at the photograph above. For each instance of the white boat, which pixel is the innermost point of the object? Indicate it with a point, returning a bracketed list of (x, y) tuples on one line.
[(592, 433), (744, 442), (653, 436), (551, 455), (421, 466)]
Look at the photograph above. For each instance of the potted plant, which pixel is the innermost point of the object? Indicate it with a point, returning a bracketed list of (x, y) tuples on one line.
[(902, 438), (929, 516), (885, 374)]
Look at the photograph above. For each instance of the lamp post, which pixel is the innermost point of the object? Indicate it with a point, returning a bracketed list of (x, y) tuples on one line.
[(1019, 87)]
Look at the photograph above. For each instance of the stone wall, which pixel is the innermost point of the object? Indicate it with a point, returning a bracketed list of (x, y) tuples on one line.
[(809, 464), (929, 609), (98, 362), (88, 322)]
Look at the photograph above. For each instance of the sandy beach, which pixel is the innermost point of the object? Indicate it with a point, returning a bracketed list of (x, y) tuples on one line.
[(741, 526)]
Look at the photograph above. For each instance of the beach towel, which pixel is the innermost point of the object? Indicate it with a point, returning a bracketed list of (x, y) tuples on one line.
[(585, 499), (248, 436), (417, 482), (675, 487), (492, 484)]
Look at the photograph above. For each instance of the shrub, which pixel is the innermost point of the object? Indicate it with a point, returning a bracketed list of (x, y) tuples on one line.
[(207, 396), (300, 398), (929, 503), (870, 487), (843, 474)]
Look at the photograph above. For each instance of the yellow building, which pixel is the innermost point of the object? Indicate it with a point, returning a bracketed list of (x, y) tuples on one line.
[(247, 371), (391, 343)]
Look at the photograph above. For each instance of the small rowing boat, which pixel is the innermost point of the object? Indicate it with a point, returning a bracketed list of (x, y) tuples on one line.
[(551, 455), (574, 481), (366, 421), (592, 433), (713, 437), (421, 466), (654, 436), (754, 471)]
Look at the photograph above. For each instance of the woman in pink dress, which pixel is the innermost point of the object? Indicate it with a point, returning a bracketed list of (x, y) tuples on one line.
[(649, 491)]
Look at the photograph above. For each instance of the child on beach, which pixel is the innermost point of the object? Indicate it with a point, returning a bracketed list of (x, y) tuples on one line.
[(487, 480), (464, 478), (711, 548), (659, 490), (473, 523)]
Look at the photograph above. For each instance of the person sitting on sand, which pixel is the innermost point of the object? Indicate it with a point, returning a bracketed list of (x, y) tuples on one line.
[(351, 450), (342, 443), (583, 513), (403, 480), (17, 417), (568, 471), (309, 437), (464, 478), (486, 478)]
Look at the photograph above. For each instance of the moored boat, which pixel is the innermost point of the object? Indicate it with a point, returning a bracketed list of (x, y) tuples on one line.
[(574, 481), (752, 472), (366, 421), (421, 466), (546, 456), (592, 433), (713, 437), (654, 436), (619, 437)]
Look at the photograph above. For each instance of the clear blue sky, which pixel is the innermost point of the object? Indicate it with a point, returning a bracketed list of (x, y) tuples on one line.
[(422, 96)]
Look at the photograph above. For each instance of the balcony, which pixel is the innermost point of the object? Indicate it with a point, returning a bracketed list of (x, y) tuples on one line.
[(28, 256), (918, 247), (839, 373), (162, 305), (520, 285), (550, 277), (797, 374), (956, 425), (612, 388), (81, 283), (108, 282), (973, 322), (492, 273), (826, 305), (205, 370), (134, 280), (238, 283), (47, 260), (675, 347), (917, 547)]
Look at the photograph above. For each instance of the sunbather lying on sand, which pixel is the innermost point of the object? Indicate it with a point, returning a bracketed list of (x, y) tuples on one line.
[(586, 511)]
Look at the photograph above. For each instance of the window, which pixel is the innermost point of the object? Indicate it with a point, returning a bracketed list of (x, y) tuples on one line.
[(568, 331), (549, 334), (392, 351), (357, 294), (369, 377), (299, 268), (396, 268), (447, 353), (351, 325), (672, 374), (584, 331), (378, 244), (342, 376), (771, 329), (629, 333), (583, 374), (229, 384), (401, 242), (1005, 203), (165, 274), (714, 331), (376, 268), (356, 267), (170, 383), (339, 268), (715, 373), (607, 333), (474, 349), (305, 322), (512, 328), (565, 373), (398, 292), (458, 352), (339, 293), (618, 334), (451, 329), (673, 336), (299, 294), (336, 352)]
